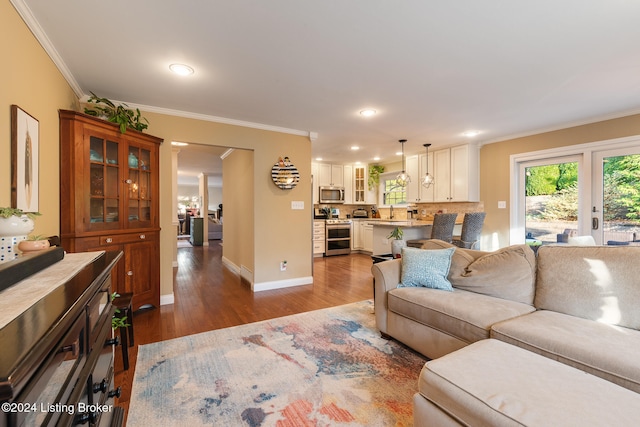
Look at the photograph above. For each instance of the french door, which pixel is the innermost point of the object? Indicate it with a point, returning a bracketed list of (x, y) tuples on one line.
[(550, 194), (591, 189), (615, 213)]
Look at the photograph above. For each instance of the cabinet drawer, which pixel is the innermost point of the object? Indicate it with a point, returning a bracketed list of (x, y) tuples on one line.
[(318, 247), (318, 237), (318, 225), (318, 231), (117, 239)]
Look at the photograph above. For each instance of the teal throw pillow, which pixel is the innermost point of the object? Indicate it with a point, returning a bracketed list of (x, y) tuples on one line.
[(426, 268)]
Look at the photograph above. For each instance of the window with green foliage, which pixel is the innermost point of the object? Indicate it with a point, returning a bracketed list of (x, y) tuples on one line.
[(392, 193)]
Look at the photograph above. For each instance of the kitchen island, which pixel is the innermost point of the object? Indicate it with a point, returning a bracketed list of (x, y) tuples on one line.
[(413, 229)]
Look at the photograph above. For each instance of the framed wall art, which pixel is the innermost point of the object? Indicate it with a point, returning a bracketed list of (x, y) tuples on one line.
[(25, 146)]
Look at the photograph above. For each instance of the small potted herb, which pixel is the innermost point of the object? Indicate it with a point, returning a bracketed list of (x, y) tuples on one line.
[(397, 243), (34, 243)]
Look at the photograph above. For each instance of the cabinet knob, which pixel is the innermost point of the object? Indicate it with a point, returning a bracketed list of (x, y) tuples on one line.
[(108, 240), (142, 236), (115, 393), (100, 387), (130, 273), (87, 417), (112, 341)]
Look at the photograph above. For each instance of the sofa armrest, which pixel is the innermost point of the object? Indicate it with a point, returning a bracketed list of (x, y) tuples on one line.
[(386, 276)]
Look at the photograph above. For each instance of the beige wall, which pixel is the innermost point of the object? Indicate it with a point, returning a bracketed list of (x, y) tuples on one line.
[(279, 232), (238, 209), (30, 80), (494, 167)]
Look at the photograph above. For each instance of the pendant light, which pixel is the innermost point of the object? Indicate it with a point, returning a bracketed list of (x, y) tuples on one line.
[(427, 180), (403, 178)]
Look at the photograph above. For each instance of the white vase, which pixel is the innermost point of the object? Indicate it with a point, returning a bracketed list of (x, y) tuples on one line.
[(16, 226), (396, 247)]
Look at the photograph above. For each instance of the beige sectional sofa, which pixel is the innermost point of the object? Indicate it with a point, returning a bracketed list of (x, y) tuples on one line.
[(579, 306)]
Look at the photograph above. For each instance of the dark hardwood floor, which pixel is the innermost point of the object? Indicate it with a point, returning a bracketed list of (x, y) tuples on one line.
[(209, 296)]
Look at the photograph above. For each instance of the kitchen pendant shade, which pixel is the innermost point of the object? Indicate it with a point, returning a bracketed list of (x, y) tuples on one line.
[(403, 177), (427, 179)]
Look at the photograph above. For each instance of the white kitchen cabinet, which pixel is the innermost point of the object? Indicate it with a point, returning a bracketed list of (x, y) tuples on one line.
[(318, 238), (362, 236), (330, 175), (348, 183), (361, 193), (416, 168), (367, 237), (456, 174), (356, 235)]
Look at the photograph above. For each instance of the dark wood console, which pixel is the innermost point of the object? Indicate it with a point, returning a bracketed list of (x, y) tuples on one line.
[(56, 356)]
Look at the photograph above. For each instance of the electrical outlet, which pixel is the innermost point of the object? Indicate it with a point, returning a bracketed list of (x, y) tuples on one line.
[(502, 204), (283, 266)]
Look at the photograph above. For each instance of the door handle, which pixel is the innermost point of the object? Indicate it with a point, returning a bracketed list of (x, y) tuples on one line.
[(594, 223)]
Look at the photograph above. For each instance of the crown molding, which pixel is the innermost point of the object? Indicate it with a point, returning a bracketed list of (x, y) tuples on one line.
[(28, 18), (31, 22), (562, 126)]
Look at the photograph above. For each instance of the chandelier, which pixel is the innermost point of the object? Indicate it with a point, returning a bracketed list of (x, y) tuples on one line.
[(427, 180), (403, 177)]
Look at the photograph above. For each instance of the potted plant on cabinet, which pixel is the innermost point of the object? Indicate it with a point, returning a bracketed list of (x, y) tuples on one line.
[(397, 243), (123, 117)]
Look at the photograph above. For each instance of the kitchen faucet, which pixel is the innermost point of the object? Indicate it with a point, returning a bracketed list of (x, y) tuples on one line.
[(391, 212)]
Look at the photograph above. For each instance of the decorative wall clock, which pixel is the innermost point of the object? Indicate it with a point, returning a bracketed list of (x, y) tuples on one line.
[(284, 174)]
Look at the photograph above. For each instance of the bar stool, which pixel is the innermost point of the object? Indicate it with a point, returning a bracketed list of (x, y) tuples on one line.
[(123, 304)]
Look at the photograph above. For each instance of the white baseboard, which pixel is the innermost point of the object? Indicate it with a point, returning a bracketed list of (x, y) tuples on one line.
[(278, 284), (230, 265), (247, 274), (167, 299)]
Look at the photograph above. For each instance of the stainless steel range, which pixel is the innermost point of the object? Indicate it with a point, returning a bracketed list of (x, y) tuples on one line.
[(338, 237)]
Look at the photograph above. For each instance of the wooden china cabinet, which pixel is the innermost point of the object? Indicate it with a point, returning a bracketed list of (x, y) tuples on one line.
[(109, 199)]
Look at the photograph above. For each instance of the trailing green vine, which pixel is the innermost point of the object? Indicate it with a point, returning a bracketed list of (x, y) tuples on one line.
[(374, 175)]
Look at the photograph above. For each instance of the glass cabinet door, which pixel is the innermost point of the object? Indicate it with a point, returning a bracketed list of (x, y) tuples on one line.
[(104, 184), (138, 207)]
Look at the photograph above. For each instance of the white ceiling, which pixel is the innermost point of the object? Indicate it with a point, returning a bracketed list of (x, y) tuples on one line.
[(432, 69)]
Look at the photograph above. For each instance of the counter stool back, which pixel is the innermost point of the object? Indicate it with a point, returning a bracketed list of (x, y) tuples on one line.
[(443, 224), (471, 229)]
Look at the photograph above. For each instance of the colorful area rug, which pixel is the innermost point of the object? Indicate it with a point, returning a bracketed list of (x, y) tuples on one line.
[(322, 368)]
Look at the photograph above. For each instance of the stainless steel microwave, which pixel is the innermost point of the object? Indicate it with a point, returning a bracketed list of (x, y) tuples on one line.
[(331, 194)]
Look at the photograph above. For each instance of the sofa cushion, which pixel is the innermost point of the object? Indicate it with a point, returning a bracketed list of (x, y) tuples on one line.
[(490, 383), (427, 268), (607, 351), (599, 283), (465, 315), (507, 273)]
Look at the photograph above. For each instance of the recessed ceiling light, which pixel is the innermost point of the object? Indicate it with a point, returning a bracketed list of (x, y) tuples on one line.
[(179, 144), (376, 158), (471, 133), (181, 69), (368, 112), (398, 153), (318, 159), (355, 148)]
